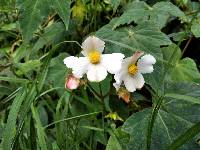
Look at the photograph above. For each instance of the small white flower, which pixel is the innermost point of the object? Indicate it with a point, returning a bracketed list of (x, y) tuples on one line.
[(94, 64), (132, 70)]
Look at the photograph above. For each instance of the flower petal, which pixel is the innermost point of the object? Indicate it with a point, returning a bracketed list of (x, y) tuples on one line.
[(118, 77), (112, 62), (145, 64), (79, 65), (123, 72), (70, 61), (92, 43), (129, 83), (96, 73), (138, 81), (117, 85)]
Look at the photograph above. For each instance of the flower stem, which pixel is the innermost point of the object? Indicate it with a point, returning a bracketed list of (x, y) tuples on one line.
[(94, 92), (187, 44)]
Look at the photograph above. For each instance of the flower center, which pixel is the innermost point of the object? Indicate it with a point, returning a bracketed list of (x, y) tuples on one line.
[(132, 69), (94, 57)]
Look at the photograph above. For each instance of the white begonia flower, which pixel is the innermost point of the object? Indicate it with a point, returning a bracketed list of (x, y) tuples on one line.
[(132, 70), (94, 64)]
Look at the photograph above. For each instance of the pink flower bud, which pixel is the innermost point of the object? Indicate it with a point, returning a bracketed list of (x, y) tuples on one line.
[(72, 82)]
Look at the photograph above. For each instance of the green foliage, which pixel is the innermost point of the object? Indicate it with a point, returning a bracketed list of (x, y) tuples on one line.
[(139, 11), (145, 36), (180, 69), (195, 28), (31, 15), (10, 129), (36, 110), (63, 9), (190, 133), (52, 34), (40, 130), (170, 121), (115, 4)]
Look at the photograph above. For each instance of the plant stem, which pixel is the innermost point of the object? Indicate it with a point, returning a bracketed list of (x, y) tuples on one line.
[(75, 117), (187, 44), (94, 92)]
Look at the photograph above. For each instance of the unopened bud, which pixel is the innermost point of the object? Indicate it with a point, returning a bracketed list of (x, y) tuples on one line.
[(72, 82), (124, 94)]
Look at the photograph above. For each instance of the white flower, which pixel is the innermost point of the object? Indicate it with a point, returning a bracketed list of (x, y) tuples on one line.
[(94, 64), (132, 70)]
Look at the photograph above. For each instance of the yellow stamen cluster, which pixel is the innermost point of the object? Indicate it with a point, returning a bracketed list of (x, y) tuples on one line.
[(132, 69), (94, 57)]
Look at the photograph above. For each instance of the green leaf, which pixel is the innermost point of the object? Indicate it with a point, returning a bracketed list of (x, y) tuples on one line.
[(31, 15), (145, 36), (136, 11), (14, 79), (52, 34), (180, 36), (10, 127), (189, 134), (183, 97), (187, 106), (33, 90), (139, 11), (195, 28), (27, 66), (162, 11), (156, 78), (166, 128), (180, 69), (20, 53), (57, 71), (169, 121), (115, 4), (117, 140), (62, 7), (40, 130), (136, 126)]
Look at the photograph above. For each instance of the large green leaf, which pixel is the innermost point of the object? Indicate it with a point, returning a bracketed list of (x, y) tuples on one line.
[(117, 140), (52, 34), (173, 118), (136, 11), (32, 13), (139, 11), (180, 69), (62, 7), (137, 126), (57, 72), (184, 100), (145, 36), (161, 12)]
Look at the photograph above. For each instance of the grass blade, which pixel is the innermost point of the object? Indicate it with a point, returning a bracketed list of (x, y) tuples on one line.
[(16, 80), (10, 127), (40, 130)]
